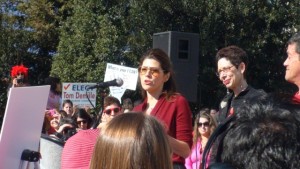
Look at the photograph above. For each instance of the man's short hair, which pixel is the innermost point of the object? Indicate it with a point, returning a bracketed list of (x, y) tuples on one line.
[(263, 135), (109, 100), (295, 39)]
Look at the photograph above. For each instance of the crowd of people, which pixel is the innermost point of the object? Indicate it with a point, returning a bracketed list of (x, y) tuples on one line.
[(251, 129)]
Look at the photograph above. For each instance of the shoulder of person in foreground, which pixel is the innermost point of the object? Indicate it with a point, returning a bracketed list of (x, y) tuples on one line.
[(78, 149)]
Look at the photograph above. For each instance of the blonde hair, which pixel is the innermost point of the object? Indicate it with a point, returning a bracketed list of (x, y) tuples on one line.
[(131, 141)]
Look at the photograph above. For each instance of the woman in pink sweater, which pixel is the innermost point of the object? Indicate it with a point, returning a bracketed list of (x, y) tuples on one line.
[(203, 127)]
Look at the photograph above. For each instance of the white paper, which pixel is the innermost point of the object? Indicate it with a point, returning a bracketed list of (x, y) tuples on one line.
[(127, 74), (22, 123)]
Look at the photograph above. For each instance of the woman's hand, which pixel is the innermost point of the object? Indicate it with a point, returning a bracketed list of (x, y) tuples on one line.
[(64, 126)]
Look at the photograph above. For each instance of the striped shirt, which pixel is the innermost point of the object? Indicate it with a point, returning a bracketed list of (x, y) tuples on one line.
[(78, 149)]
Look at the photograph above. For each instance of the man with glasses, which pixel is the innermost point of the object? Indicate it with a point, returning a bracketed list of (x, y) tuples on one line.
[(292, 64), (232, 63), (78, 149), (112, 108)]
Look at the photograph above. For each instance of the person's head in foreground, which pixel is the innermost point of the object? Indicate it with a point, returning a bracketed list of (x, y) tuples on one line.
[(264, 135), (132, 141)]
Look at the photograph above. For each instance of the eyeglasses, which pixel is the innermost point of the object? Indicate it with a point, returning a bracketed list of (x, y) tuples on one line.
[(82, 121), (224, 70), (205, 124), (115, 110), (154, 71)]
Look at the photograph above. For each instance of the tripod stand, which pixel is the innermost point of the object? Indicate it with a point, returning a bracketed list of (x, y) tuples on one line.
[(30, 160)]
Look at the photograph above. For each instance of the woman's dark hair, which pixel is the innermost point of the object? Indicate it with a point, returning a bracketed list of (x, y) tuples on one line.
[(127, 104), (81, 113), (68, 132), (265, 134), (166, 65), (52, 81), (63, 113)]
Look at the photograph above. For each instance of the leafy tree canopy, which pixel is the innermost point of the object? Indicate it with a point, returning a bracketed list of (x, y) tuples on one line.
[(75, 39)]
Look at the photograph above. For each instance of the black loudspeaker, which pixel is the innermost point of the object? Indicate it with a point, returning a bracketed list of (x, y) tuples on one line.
[(183, 50)]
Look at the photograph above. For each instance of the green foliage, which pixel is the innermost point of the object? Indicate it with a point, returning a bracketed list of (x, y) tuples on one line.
[(42, 19), (80, 37), (88, 42), (14, 42), (259, 27)]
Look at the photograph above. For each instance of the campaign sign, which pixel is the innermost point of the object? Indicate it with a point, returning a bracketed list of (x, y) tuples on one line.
[(78, 94), (22, 123), (127, 74)]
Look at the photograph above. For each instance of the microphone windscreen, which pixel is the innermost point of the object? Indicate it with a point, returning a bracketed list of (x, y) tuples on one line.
[(119, 82)]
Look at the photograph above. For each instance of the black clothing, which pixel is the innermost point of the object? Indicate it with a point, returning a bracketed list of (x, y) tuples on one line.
[(178, 166), (228, 108), (229, 101)]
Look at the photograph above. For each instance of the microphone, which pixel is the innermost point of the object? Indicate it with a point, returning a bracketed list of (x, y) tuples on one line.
[(116, 82)]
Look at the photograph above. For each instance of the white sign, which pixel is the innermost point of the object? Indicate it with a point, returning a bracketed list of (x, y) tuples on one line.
[(127, 74), (78, 94), (22, 123)]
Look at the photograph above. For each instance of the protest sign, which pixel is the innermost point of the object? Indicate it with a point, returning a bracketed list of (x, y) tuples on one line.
[(22, 123), (127, 74), (78, 94)]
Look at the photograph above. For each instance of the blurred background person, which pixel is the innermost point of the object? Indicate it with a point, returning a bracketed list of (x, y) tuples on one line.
[(127, 105), (83, 119), (214, 113), (51, 120), (68, 107), (232, 63), (162, 101), (54, 99), (204, 126), (132, 141), (66, 129), (54, 118), (53, 105)]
